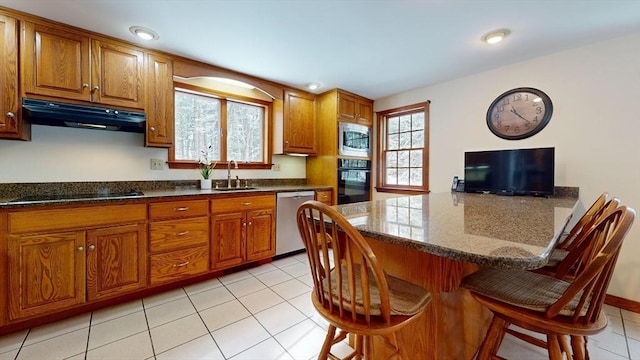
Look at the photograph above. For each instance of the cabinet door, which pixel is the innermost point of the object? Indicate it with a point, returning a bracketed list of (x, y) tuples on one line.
[(261, 239), (117, 74), (227, 241), (324, 196), (299, 128), (364, 115), (347, 107), (116, 260), (160, 101), (46, 273), (55, 62), (10, 123)]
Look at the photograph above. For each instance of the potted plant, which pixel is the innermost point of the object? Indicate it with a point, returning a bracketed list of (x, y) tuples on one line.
[(206, 167)]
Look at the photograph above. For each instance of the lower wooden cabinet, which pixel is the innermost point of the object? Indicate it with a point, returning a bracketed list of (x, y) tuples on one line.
[(243, 229), (116, 260), (55, 271), (178, 240), (46, 273), (324, 196)]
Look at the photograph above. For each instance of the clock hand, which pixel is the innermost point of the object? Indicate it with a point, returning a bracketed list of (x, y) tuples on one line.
[(513, 110)]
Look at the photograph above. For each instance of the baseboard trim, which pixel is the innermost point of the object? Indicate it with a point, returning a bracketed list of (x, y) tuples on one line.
[(622, 303)]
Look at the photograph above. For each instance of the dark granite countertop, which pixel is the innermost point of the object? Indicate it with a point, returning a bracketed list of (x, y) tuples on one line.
[(484, 229), (159, 193)]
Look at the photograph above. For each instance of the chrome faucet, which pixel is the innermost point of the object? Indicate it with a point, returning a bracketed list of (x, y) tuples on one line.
[(229, 172)]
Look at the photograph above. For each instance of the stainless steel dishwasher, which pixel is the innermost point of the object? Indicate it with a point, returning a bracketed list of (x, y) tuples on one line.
[(287, 235)]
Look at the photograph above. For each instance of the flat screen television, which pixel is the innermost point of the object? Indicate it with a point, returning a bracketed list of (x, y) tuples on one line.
[(510, 172)]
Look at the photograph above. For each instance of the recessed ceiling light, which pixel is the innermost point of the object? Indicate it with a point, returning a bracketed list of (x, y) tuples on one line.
[(496, 36), (144, 33), (313, 85)]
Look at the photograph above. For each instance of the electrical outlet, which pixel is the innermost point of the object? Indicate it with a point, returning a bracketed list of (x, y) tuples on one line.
[(156, 164), (276, 167)]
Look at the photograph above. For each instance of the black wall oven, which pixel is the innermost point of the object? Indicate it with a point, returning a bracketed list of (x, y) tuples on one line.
[(354, 180)]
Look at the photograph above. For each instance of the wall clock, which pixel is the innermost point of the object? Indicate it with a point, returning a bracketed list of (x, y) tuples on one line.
[(519, 113)]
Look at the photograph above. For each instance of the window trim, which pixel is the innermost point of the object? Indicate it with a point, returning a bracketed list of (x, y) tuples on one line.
[(381, 185), (267, 142)]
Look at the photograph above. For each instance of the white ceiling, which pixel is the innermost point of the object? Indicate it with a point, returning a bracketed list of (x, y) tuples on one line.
[(374, 48)]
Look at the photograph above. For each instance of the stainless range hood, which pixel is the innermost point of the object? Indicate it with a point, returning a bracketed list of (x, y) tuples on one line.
[(43, 112)]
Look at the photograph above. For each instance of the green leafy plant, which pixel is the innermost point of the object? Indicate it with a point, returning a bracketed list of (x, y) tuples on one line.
[(205, 166)]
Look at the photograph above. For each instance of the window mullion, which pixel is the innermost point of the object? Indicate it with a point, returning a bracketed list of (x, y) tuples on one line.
[(223, 131)]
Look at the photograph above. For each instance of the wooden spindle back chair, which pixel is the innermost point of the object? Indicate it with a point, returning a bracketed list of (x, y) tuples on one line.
[(351, 291)]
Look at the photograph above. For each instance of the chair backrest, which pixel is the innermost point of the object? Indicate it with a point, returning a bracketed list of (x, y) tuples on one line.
[(580, 249), (589, 288), (588, 216), (343, 266)]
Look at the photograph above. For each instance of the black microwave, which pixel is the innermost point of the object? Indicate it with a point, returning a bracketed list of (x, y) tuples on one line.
[(354, 140)]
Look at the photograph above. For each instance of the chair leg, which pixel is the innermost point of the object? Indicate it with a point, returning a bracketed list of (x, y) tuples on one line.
[(579, 347), (328, 341), (553, 347), (565, 348), (492, 340)]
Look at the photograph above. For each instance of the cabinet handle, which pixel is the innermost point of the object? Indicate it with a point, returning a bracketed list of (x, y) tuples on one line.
[(182, 233), (247, 203), (92, 247), (181, 264), (80, 248), (95, 88), (152, 129), (184, 208), (10, 115), (85, 85), (249, 223), (244, 224)]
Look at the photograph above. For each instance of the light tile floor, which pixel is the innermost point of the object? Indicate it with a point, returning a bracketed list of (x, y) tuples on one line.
[(262, 313)]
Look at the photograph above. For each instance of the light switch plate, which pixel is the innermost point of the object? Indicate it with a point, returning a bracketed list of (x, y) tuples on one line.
[(156, 164)]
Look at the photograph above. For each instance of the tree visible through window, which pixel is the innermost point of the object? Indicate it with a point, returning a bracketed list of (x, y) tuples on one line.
[(228, 129), (403, 149)]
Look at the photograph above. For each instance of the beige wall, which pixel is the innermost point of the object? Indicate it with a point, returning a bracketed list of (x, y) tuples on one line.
[(595, 127), (67, 154)]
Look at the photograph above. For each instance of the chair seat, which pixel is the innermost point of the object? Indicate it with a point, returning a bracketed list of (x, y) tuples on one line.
[(405, 297), (521, 288), (556, 256)]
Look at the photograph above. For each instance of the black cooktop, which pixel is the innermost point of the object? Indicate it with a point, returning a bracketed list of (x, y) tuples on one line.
[(54, 197)]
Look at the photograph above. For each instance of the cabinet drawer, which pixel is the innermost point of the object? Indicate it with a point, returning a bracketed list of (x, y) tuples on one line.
[(243, 203), (324, 196), (178, 209), (75, 218), (180, 233), (178, 264)]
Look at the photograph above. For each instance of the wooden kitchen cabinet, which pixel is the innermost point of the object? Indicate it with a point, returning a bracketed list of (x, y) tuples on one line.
[(299, 123), (243, 230), (178, 240), (63, 63), (324, 196), (116, 260), (354, 108), (160, 101), (62, 257), (11, 124), (46, 273)]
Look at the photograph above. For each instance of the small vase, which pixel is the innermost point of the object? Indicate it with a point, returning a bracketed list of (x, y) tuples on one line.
[(205, 183)]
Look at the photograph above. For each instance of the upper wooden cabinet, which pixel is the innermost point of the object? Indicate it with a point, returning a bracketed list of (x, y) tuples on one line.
[(160, 101), (299, 123), (62, 63), (353, 108), (11, 125)]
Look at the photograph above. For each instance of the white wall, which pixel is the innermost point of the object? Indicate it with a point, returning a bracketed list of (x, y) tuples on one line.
[(58, 154), (595, 127)]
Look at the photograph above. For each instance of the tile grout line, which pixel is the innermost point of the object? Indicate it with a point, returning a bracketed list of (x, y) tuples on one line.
[(146, 319)]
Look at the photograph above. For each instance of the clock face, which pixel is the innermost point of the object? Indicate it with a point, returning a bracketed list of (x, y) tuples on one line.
[(519, 113)]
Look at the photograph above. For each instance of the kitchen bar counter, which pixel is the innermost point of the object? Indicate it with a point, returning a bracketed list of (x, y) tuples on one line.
[(484, 229), (435, 240)]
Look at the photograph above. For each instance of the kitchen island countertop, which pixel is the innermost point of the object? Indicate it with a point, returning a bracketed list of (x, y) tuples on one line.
[(483, 229)]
